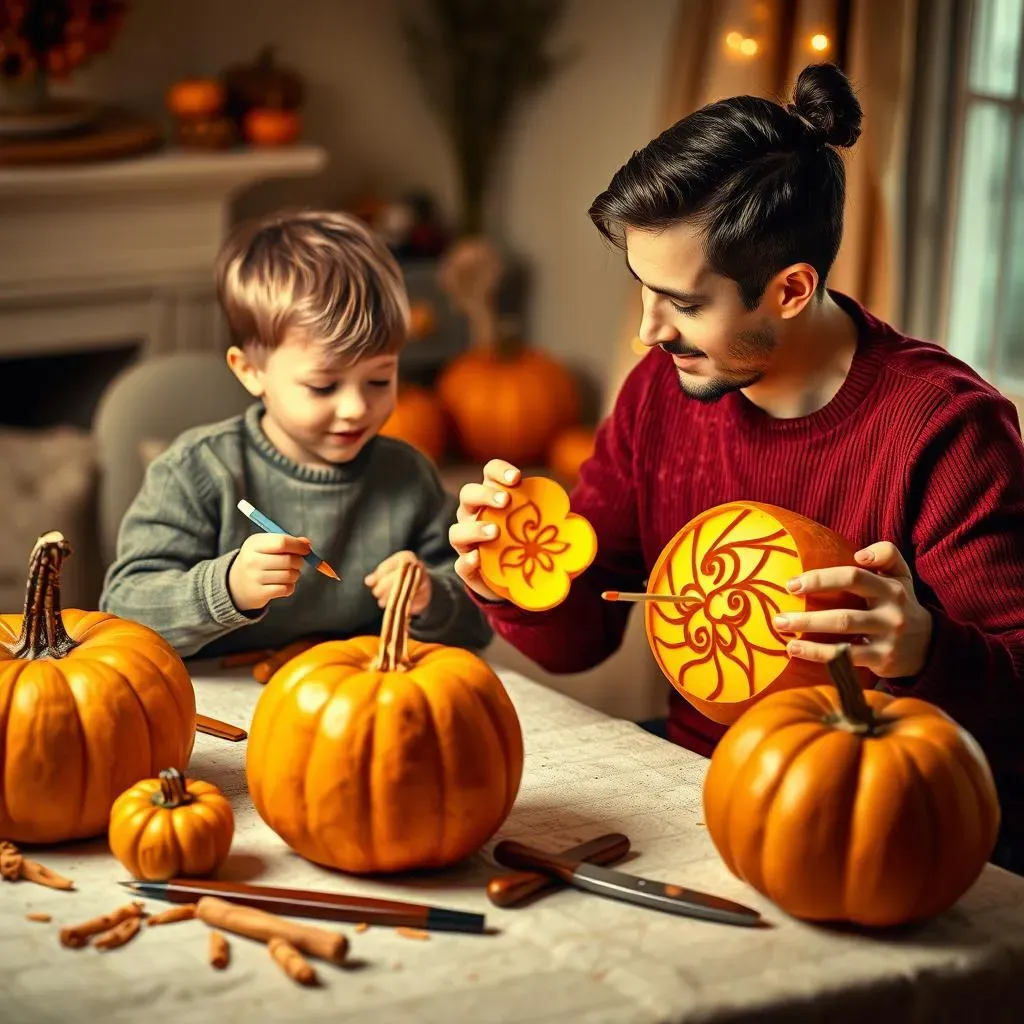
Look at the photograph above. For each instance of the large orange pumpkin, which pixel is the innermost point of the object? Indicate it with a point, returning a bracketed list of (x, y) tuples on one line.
[(89, 704), (385, 754), (726, 571), (420, 421), (841, 805), (505, 400), (509, 403)]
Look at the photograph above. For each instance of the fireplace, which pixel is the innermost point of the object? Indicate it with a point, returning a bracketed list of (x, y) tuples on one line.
[(100, 265)]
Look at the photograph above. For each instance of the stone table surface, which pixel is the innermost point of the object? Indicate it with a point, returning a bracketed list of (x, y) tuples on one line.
[(568, 956)]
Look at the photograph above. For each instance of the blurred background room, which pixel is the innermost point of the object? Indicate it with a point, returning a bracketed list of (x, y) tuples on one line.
[(133, 134)]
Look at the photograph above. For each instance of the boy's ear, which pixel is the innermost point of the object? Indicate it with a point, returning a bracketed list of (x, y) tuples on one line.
[(245, 370)]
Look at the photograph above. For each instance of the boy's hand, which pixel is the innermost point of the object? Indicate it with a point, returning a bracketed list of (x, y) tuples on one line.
[(468, 533), (384, 579), (266, 566)]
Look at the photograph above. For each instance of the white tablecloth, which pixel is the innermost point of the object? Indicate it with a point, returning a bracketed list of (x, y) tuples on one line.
[(570, 956)]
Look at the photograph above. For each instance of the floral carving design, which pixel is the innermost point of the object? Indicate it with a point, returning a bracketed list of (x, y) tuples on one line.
[(541, 547), (718, 641)]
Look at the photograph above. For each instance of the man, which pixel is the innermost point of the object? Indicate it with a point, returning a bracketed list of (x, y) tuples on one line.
[(763, 385)]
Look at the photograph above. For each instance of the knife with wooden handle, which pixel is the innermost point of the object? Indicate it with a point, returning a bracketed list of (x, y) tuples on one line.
[(618, 885), (515, 886)]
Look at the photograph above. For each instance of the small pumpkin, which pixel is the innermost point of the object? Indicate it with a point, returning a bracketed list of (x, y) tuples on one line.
[(384, 754), (268, 126), (195, 97), (419, 420), (541, 546), (422, 320), (841, 805), (570, 449), (505, 399), (171, 827), (89, 704), (726, 571)]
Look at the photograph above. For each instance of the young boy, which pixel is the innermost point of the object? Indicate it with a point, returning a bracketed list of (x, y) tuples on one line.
[(318, 314)]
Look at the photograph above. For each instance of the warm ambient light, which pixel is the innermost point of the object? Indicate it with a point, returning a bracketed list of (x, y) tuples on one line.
[(748, 47), (744, 44), (734, 40), (819, 42)]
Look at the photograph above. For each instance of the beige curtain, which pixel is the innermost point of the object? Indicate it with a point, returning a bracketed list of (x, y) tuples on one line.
[(758, 47)]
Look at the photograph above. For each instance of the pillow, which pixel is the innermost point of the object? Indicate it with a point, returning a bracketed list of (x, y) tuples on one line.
[(48, 483)]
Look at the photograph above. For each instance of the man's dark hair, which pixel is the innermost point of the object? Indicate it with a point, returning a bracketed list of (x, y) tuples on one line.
[(763, 182)]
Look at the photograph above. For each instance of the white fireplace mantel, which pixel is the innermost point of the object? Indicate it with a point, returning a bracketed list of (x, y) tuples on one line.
[(97, 254)]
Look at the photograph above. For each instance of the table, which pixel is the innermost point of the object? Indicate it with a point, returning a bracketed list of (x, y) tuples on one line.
[(570, 956)]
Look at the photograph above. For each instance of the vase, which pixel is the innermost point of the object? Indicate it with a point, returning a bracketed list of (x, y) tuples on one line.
[(28, 110)]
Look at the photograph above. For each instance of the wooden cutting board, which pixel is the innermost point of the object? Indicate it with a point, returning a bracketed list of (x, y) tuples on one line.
[(113, 135)]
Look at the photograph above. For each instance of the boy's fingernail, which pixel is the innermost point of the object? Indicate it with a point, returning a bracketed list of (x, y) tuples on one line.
[(500, 498), (510, 475), (473, 557), (490, 530)]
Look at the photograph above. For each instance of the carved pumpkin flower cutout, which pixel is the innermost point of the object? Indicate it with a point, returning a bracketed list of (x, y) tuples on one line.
[(541, 546)]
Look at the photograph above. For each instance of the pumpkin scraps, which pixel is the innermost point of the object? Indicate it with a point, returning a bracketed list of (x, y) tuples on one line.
[(15, 867), (541, 546)]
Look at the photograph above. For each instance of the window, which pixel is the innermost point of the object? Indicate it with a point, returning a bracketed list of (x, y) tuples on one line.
[(985, 320)]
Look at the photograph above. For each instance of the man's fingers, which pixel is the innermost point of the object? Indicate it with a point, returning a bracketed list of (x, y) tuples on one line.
[(847, 578), (838, 620), (885, 557)]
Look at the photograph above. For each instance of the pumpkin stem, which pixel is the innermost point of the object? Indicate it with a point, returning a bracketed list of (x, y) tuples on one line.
[(172, 789), (856, 713), (42, 627), (394, 632)]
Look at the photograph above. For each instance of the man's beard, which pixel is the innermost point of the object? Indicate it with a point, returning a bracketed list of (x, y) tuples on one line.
[(746, 345)]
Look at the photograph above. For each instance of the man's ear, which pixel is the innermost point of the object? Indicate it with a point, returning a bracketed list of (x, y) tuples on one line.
[(790, 290), (246, 370)]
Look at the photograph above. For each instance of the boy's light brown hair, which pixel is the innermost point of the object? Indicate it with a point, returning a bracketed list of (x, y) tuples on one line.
[(322, 272)]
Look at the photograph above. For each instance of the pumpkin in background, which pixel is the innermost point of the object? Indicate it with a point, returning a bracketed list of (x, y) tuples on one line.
[(420, 421), (840, 805), (570, 449), (541, 546), (505, 400), (422, 320), (89, 704), (385, 754), (195, 97), (270, 126), (171, 826), (727, 569)]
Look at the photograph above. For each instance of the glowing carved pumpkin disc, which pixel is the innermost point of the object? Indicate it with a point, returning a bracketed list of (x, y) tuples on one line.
[(541, 546), (729, 566)]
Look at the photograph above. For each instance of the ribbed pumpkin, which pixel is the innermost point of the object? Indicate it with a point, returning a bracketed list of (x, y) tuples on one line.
[(89, 704), (841, 805), (385, 754), (508, 403), (720, 582), (171, 826), (419, 420), (570, 449)]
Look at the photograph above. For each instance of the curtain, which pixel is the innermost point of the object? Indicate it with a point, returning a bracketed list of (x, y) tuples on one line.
[(758, 47)]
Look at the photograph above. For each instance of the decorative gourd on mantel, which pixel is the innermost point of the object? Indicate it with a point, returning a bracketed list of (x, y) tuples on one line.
[(850, 806), (89, 704), (385, 754), (714, 592)]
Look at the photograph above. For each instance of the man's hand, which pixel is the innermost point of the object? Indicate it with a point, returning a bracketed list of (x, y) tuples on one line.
[(384, 579), (896, 630), (266, 566), (468, 533)]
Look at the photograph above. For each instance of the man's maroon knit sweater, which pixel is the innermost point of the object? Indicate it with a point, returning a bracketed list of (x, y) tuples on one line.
[(914, 448)]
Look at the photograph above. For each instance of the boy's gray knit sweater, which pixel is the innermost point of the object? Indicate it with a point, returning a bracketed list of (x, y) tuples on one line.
[(180, 535)]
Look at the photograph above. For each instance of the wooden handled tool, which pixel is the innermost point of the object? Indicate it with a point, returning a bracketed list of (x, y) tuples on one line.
[(222, 730), (515, 886)]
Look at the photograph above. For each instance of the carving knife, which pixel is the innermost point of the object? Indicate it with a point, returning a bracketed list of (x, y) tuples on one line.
[(619, 885)]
